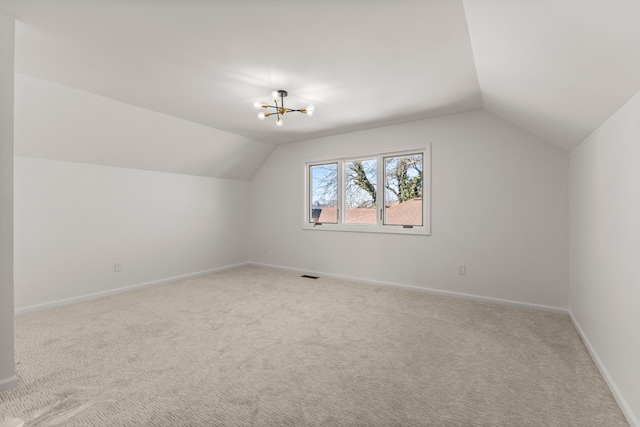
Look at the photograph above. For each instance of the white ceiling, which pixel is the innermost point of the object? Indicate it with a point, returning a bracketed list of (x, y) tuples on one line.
[(557, 68)]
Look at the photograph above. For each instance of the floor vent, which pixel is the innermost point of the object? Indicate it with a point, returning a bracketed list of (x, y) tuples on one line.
[(306, 276)]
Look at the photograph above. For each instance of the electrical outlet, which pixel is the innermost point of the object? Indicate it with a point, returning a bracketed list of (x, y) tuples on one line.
[(117, 267), (462, 269)]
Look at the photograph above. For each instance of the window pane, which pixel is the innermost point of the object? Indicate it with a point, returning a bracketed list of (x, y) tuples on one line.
[(324, 193), (403, 190), (360, 191)]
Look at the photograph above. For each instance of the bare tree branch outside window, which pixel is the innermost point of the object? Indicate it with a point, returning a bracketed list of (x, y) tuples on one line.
[(402, 178)]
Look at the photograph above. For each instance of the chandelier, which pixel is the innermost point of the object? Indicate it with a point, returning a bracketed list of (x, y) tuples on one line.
[(280, 110)]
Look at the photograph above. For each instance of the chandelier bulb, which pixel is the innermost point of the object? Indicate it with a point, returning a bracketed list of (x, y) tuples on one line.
[(279, 121), (275, 94), (261, 115), (310, 108)]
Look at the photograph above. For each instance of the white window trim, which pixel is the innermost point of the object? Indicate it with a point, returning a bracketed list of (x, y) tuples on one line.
[(424, 230)]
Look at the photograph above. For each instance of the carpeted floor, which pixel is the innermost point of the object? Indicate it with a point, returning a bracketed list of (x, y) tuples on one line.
[(260, 347)]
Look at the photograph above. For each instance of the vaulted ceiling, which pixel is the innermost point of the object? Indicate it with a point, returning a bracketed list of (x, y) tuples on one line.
[(557, 68)]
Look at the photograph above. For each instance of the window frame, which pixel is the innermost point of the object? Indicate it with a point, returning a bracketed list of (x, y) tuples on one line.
[(379, 227)]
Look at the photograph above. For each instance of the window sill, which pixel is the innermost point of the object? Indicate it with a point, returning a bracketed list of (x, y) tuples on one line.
[(389, 229)]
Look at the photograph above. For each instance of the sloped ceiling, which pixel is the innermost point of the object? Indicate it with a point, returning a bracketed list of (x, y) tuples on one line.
[(556, 68)]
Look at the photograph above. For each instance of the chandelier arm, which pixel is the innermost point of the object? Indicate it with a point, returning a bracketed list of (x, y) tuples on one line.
[(288, 110)]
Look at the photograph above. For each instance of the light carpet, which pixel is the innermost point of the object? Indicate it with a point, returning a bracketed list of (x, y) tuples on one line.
[(261, 347)]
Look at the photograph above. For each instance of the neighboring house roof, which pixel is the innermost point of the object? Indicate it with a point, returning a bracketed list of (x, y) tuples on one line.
[(407, 213)]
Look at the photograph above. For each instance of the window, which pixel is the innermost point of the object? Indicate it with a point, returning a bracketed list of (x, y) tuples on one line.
[(324, 193), (403, 189), (360, 191), (384, 193)]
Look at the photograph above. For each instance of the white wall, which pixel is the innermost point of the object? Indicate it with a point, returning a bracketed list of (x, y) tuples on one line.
[(7, 368), (499, 205), (74, 220), (605, 250)]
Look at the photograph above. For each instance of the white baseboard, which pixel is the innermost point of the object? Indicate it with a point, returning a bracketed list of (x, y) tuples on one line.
[(552, 309), (632, 419), (7, 383), (38, 307)]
